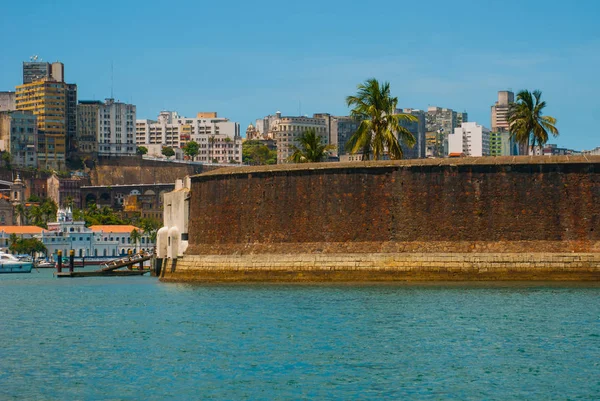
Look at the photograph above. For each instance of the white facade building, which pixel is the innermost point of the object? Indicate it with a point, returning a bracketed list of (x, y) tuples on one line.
[(95, 241), (116, 129), (470, 139), (219, 139), (286, 130)]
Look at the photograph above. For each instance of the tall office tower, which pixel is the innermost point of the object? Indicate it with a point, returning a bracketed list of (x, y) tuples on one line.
[(88, 116), (440, 122), (417, 128), (116, 129), (501, 144), (18, 136), (37, 70), (71, 118), (46, 99)]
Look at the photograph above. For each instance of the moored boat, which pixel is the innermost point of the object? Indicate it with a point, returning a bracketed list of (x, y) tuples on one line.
[(11, 264)]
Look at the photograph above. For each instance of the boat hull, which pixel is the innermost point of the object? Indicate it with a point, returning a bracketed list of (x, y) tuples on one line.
[(16, 268)]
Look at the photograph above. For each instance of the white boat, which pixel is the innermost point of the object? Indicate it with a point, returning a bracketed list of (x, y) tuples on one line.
[(11, 264)]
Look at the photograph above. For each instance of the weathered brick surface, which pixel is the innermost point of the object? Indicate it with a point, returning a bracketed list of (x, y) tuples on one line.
[(470, 219), (547, 204)]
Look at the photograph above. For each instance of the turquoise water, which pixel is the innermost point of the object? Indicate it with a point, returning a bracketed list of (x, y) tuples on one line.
[(133, 338)]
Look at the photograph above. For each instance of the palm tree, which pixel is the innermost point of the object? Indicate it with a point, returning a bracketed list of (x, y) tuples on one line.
[(380, 129), (312, 149), (135, 237), (527, 124), (21, 213)]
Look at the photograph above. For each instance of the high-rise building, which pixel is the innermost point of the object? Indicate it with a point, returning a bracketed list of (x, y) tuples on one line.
[(417, 128), (39, 70), (7, 101), (219, 139), (46, 99), (18, 136), (116, 129), (341, 129), (440, 122), (501, 144), (470, 139), (88, 126), (71, 118)]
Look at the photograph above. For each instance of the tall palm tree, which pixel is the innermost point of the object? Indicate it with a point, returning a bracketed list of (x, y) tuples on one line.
[(380, 129), (527, 124), (311, 149)]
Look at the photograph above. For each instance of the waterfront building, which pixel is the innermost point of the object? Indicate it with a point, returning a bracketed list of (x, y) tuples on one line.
[(439, 124), (218, 139), (18, 136), (7, 101), (470, 139), (22, 232), (95, 241), (46, 99), (417, 128)]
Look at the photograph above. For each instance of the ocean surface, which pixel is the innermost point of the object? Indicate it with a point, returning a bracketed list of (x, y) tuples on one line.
[(134, 338)]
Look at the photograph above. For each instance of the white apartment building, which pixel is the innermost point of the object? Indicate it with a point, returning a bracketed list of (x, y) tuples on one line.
[(470, 139), (219, 139), (116, 129), (286, 130)]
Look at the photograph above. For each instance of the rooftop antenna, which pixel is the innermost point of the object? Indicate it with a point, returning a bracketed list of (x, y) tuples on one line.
[(112, 80)]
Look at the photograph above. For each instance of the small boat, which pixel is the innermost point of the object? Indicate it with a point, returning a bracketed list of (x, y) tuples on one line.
[(45, 264), (11, 264)]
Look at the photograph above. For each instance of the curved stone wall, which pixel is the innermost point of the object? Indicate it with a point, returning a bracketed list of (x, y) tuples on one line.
[(515, 205)]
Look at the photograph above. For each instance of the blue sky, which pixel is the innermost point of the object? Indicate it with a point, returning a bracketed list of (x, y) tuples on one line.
[(249, 59)]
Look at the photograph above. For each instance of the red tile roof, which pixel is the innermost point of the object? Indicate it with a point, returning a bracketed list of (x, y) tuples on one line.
[(115, 228), (21, 229)]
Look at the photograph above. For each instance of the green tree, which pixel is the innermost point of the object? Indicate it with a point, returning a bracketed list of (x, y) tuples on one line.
[(34, 198), (135, 237), (150, 227), (528, 125), (191, 149), (380, 130), (13, 240), (7, 158), (254, 152), (311, 149), (29, 246), (168, 151), (141, 150)]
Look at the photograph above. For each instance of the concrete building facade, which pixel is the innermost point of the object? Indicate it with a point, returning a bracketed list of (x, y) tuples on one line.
[(116, 129), (18, 136), (470, 139), (417, 128), (46, 99), (88, 126), (500, 142), (172, 237), (7, 101), (219, 139), (439, 124)]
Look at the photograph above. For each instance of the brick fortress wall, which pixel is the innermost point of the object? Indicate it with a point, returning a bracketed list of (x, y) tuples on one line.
[(516, 205)]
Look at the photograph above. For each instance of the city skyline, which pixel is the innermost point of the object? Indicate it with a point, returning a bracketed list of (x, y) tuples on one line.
[(311, 58)]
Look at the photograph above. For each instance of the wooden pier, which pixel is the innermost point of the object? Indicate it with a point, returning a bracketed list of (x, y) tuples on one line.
[(110, 269)]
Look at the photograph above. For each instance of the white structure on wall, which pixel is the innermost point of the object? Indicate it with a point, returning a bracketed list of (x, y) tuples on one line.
[(470, 139), (172, 238)]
